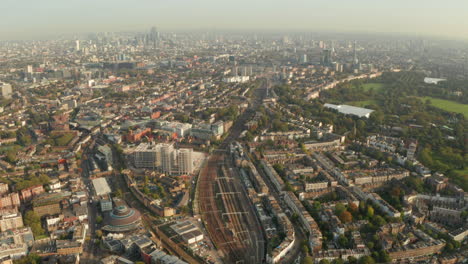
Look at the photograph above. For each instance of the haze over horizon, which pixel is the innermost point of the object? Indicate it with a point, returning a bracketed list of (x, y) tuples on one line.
[(36, 19)]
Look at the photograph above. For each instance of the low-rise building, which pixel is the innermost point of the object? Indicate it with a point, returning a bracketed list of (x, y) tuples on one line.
[(10, 221)]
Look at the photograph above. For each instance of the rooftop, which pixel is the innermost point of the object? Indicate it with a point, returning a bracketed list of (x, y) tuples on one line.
[(351, 110)]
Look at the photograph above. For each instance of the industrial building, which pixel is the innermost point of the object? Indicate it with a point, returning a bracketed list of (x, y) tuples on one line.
[(351, 110)]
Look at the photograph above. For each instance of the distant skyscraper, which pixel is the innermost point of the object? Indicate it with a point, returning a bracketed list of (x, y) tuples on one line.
[(244, 71), (234, 71), (77, 45), (153, 37), (304, 58), (355, 58), (154, 33), (327, 57), (321, 44)]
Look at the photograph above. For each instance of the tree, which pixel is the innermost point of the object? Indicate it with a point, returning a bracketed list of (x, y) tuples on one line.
[(99, 233), (31, 258), (377, 117), (288, 187), (352, 260), (378, 220), (339, 208), (23, 137), (324, 261), (99, 219), (33, 220), (249, 136), (366, 260), (346, 217), (119, 193), (449, 247), (343, 241), (305, 247), (384, 257), (352, 207), (370, 211), (10, 157), (307, 260), (338, 261)]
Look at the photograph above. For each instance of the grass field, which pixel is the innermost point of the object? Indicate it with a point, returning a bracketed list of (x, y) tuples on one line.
[(375, 86), (462, 172), (447, 105)]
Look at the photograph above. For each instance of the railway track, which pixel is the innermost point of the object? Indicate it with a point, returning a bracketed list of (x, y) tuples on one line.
[(232, 224)]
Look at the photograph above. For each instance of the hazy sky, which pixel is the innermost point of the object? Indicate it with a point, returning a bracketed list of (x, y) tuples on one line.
[(33, 18)]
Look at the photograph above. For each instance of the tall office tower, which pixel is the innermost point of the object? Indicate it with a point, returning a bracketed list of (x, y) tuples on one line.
[(77, 45), (153, 37), (250, 70), (29, 72), (327, 57), (304, 58), (338, 67), (333, 48), (185, 161), (5, 90), (244, 71), (355, 58), (154, 34), (167, 157), (321, 44), (234, 71)]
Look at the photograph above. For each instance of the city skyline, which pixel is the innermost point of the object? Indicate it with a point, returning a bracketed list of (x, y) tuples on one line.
[(38, 20), (226, 132)]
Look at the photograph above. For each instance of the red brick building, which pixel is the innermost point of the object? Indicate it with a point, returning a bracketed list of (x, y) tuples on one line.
[(29, 193), (134, 136)]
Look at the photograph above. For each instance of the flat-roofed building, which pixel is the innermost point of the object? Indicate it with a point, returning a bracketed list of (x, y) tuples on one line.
[(48, 203), (101, 187), (15, 243), (65, 247), (351, 110), (11, 221), (188, 232), (106, 204)]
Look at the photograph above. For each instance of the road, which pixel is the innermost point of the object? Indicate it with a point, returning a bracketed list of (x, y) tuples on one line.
[(91, 252)]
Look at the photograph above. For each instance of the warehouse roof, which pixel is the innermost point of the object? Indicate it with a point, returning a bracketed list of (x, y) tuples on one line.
[(351, 110), (101, 187)]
